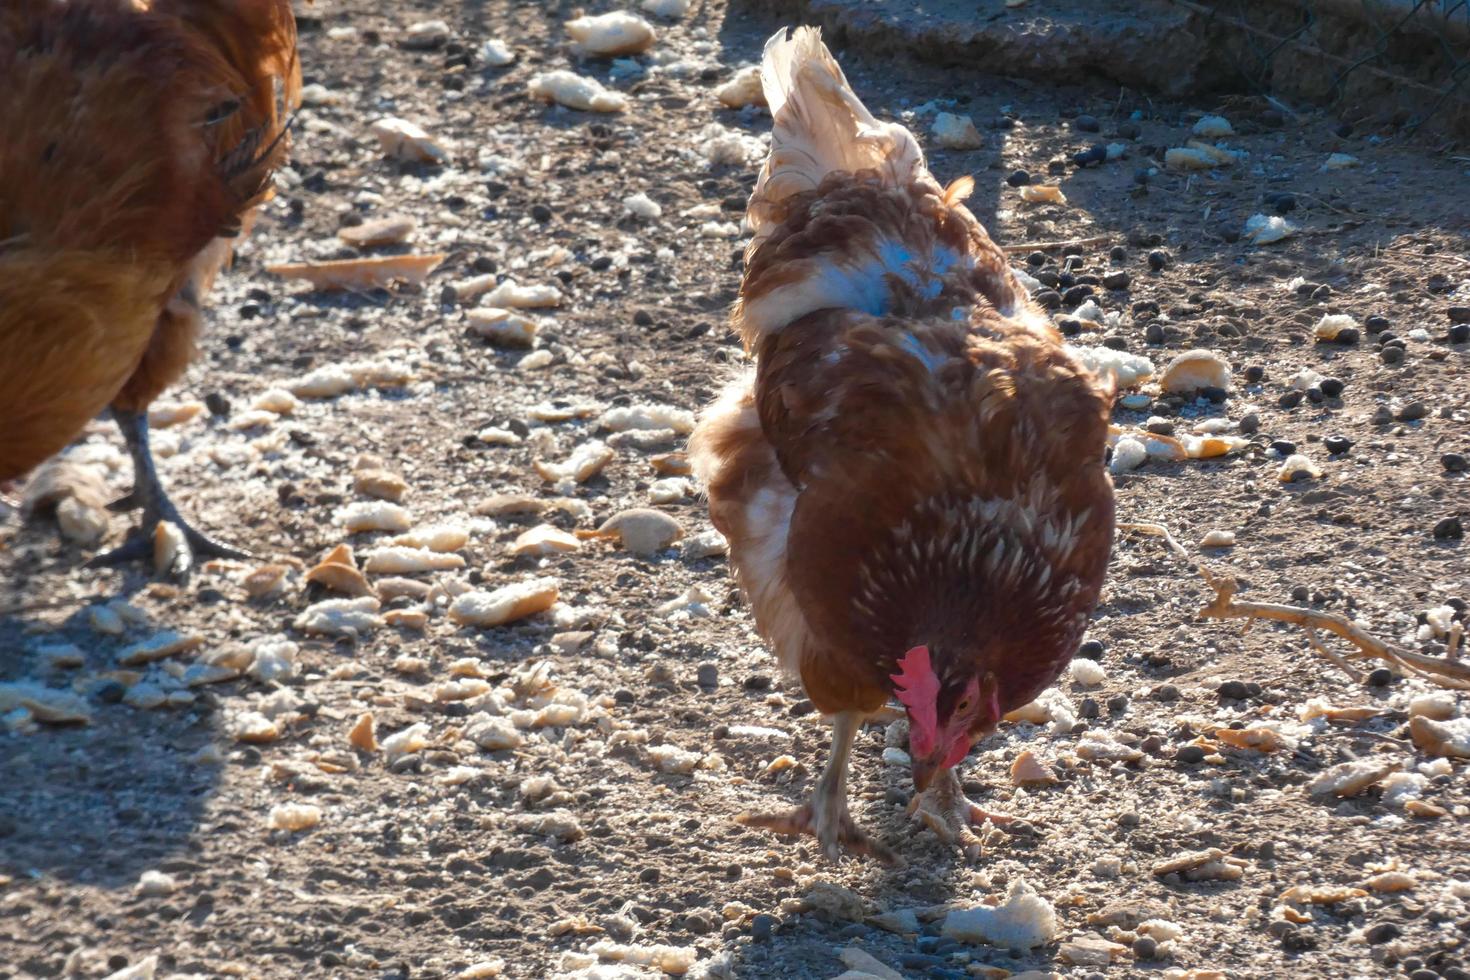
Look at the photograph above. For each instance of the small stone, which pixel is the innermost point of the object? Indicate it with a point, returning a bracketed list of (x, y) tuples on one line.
[(1290, 399), (1019, 178), (1118, 703), (1253, 374), (1454, 462), (1332, 387), (1391, 355), (1088, 708), (1449, 529), (708, 675), (1381, 933), (1091, 649), (1459, 314), (1249, 423), (1412, 412), (1145, 947), (1233, 689), (1381, 677), (1090, 157), (762, 925), (541, 213), (1119, 279), (109, 691), (1153, 333), (1190, 755), (1158, 259), (1086, 124), (1376, 323), (1282, 447), (1459, 333), (1337, 444)]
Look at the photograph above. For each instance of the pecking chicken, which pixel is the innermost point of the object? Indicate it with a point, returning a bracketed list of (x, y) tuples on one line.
[(139, 137), (911, 478)]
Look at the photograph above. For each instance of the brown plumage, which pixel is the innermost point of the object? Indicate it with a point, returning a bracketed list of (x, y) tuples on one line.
[(912, 478), (139, 137)]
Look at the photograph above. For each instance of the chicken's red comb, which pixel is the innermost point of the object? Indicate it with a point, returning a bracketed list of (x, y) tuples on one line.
[(918, 689)]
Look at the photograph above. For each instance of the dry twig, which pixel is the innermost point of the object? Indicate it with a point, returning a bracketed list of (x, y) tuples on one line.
[(1049, 246), (1444, 671)]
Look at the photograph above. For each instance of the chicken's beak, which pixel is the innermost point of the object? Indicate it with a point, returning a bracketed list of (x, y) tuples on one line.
[(924, 770)]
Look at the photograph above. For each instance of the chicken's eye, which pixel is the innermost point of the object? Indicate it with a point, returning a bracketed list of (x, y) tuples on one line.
[(963, 706)]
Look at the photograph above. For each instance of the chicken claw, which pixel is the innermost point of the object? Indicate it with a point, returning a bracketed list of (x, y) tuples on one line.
[(833, 827), (945, 809), (148, 493)]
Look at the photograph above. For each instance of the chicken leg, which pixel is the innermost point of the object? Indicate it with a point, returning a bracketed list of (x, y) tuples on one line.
[(148, 493), (826, 816), (945, 809)]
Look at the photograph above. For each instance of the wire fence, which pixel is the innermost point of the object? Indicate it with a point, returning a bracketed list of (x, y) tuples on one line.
[(1403, 62)]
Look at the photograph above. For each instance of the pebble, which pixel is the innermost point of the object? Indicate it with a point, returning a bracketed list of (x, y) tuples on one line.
[(1412, 412), (1454, 462), (1283, 448), (762, 925), (1337, 444), (1382, 933), (1459, 314), (1118, 703), (1253, 374), (1190, 755), (1381, 677), (1332, 387), (1376, 323), (1290, 399), (1091, 649), (708, 675), (1459, 333), (1157, 259), (109, 691), (1145, 947), (1233, 689), (1020, 178), (1449, 529), (1086, 124), (1076, 296), (1249, 423), (1091, 157), (1392, 355), (1117, 280)]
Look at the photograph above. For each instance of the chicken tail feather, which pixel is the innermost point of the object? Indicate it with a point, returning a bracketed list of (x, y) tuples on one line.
[(820, 126)]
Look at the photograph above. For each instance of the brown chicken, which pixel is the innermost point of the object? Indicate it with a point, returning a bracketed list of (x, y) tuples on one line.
[(139, 136), (912, 477)]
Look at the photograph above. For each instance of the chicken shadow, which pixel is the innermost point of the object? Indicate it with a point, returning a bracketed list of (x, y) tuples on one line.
[(103, 802)]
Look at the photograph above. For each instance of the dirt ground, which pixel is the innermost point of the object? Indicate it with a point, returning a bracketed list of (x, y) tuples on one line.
[(591, 830)]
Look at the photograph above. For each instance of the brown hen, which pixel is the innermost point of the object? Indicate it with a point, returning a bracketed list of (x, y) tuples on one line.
[(912, 477), (139, 137)]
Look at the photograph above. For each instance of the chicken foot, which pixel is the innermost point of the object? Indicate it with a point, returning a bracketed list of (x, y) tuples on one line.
[(826, 816), (148, 493), (945, 809)]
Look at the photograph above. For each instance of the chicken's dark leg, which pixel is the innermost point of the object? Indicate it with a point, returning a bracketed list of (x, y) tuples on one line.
[(148, 493), (945, 809), (825, 816)]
